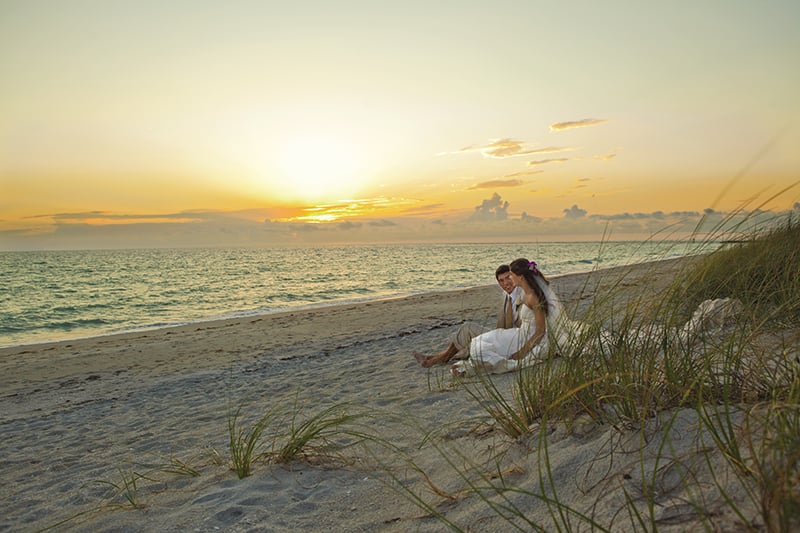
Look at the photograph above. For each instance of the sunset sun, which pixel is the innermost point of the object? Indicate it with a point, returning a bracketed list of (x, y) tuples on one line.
[(320, 169)]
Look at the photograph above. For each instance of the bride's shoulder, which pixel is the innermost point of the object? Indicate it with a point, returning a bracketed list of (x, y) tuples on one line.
[(531, 300)]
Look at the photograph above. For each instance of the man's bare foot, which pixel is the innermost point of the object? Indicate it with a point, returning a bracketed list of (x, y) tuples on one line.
[(425, 361)]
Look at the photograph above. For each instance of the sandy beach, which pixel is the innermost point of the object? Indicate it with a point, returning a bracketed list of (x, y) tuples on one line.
[(78, 418)]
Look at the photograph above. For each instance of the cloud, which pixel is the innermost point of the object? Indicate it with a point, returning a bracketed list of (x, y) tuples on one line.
[(423, 209), (632, 216), (552, 150), (505, 148), (105, 217), (523, 174), (382, 223), (346, 209), (300, 227), (493, 208), (606, 157), (525, 217), (502, 148), (348, 225), (561, 126), (574, 212), (546, 161), (495, 184)]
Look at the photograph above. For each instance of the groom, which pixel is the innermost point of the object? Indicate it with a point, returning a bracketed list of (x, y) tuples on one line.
[(507, 317)]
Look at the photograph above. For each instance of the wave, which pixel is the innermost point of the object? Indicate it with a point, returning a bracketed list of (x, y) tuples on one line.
[(80, 323)]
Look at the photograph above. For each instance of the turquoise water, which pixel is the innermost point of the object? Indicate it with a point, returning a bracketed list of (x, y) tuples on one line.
[(56, 295)]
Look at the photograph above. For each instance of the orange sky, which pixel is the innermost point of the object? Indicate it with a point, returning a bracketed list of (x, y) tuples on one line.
[(261, 123)]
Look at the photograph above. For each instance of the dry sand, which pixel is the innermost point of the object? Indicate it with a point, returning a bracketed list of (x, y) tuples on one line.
[(79, 416)]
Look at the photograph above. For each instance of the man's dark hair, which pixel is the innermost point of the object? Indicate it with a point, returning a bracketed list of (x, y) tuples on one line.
[(502, 269)]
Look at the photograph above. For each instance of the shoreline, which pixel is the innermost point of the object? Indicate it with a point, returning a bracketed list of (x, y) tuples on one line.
[(66, 331), (483, 296), (241, 315)]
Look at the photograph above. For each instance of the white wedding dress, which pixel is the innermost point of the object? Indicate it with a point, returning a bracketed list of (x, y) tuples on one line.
[(493, 350)]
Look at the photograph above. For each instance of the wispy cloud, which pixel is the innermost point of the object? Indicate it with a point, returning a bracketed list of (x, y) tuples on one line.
[(347, 209), (106, 217), (560, 126), (606, 157), (506, 147), (546, 161), (496, 184), (424, 209), (523, 173), (499, 148), (553, 150)]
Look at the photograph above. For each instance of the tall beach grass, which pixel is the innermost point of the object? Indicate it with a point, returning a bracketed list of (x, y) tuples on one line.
[(645, 358)]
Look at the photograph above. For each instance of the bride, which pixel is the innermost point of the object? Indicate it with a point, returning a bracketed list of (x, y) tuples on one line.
[(504, 350)]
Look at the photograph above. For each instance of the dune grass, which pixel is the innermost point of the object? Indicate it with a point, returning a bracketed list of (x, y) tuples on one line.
[(760, 269), (319, 436), (278, 437), (633, 362), (245, 440)]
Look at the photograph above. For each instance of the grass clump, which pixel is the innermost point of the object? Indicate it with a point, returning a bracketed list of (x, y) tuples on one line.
[(127, 487), (245, 441), (282, 437), (762, 270), (317, 436)]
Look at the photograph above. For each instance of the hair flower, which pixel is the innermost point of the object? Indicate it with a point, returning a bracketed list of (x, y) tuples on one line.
[(532, 267)]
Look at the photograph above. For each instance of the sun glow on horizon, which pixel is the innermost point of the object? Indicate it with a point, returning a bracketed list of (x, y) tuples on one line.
[(350, 209)]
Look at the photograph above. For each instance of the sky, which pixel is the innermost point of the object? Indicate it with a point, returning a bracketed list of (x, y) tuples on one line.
[(260, 123)]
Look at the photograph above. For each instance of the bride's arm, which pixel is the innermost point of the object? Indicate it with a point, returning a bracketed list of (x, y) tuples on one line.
[(540, 328)]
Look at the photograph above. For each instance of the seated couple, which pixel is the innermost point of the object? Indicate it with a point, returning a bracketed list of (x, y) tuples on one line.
[(521, 333)]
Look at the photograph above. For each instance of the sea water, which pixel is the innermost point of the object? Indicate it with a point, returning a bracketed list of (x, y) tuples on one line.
[(57, 295)]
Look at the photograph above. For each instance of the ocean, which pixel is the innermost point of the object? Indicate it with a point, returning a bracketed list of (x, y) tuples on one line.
[(57, 295)]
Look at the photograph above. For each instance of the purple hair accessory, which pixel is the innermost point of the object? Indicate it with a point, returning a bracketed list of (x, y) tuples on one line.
[(532, 267)]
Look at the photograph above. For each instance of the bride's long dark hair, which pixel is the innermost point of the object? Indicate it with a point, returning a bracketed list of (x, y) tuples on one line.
[(529, 270)]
